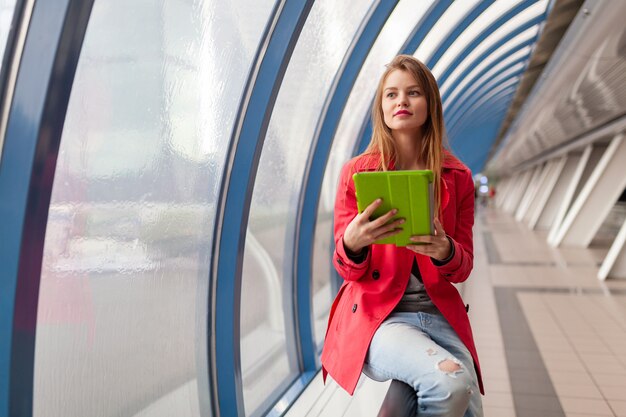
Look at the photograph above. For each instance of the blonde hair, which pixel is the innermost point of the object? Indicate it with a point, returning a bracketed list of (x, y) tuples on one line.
[(433, 139)]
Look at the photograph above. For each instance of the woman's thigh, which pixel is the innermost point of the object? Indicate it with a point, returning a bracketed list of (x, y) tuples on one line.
[(444, 335), (401, 349), (405, 348)]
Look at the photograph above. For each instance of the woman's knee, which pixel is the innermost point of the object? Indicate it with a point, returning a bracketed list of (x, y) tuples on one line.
[(451, 382)]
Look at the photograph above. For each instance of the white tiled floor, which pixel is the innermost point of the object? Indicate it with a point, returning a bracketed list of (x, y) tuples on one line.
[(578, 327)]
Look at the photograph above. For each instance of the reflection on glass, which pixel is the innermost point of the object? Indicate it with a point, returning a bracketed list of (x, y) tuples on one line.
[(268, 356), (121, 326)]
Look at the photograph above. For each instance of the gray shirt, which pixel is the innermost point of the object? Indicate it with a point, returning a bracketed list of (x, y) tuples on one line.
[(415, 297)]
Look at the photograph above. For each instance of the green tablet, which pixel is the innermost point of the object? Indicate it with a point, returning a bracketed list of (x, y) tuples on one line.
[(411, 192)]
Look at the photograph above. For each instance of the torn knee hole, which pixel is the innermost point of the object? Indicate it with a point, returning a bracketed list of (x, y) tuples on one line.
[(449, 366)]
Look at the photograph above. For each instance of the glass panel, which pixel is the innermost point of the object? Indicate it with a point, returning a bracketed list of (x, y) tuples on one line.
[(268, 359), (7, 8), (489, 74), (323, 270), (401, 21), (486, 18), (444, 26), (121, 326), (485, 63), (528, 14)]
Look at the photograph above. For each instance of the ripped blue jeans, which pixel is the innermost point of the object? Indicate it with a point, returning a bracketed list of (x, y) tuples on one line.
[(423, 350)]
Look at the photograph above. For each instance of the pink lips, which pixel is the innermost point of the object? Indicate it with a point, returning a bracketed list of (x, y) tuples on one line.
[(400, 112)]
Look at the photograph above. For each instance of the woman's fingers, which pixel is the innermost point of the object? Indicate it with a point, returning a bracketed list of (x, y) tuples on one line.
[(422, 249), (439, 228), (428, 239), (369, 210), (384, 219), (390, 233)]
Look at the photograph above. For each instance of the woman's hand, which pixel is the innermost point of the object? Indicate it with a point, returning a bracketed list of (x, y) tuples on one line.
[(362, 232), (436, 246)]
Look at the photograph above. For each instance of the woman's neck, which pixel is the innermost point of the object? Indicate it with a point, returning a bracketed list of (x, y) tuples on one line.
[(408, 146)]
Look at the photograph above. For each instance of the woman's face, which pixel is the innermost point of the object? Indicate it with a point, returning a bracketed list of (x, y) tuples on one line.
[(403, 102)]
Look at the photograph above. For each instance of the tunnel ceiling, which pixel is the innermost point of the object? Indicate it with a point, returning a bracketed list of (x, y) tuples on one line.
[(580, 92), (479, 51)]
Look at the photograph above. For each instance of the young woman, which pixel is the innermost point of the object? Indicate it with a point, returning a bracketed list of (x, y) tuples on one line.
[(397, 315)]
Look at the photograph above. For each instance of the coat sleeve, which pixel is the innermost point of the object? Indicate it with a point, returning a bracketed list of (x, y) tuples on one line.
[(461, 264), (345, 211)]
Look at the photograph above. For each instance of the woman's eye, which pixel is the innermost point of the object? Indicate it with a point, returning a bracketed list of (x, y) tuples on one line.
[(390, 95), (414, 93)]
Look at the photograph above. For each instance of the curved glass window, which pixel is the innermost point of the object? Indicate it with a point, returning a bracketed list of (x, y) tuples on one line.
[(496, 56), (7, 8), (268, 351), (528, 14), (486, 18), (390, 40), (489, 79), (444, 26), (401, 21), (122, 316)]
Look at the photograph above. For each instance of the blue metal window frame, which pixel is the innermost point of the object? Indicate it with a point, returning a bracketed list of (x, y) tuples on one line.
[(9, 51), (455, 122), (487, 110), (481, 37), (421, 29), (234, 204), (467, 20), (367, 129), (479, 135), (474, 94), (486, 107), (481, 73), (424, 26), (48, 64), (316, 164), (476, 102), (493, 49)]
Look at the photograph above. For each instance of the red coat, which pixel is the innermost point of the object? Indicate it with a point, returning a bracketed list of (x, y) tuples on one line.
[(376, 285)]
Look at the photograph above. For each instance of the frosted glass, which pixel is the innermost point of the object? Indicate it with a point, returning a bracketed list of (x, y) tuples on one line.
[(450, 19), (511, 25), (490, 15), (7, 8), (401, 22), (394, 33), (496, 56), (268, 358), (490, 80), (122, 316)]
